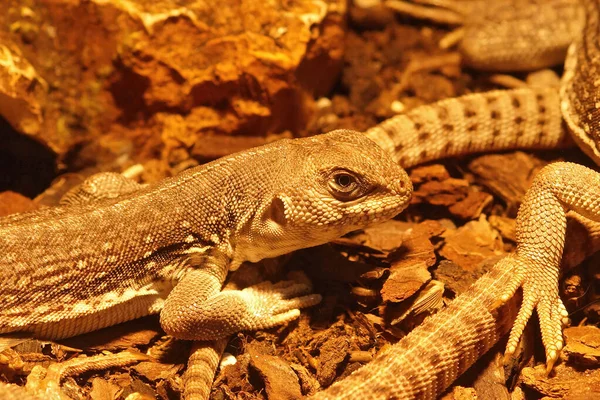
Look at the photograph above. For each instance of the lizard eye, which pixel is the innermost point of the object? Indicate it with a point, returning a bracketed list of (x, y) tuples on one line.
[(344, 180), (345, 186)]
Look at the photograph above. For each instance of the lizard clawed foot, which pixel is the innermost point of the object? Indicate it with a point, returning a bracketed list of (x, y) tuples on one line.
[(225, 312), (540, 292), (271, 304)]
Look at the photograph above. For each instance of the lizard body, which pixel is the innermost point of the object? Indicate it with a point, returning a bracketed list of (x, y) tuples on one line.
[(414, 368), (168, 247), (503, 35), (423, 364)]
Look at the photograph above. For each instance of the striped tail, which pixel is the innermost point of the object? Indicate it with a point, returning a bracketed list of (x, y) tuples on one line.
[(424, 363), (527, 118)]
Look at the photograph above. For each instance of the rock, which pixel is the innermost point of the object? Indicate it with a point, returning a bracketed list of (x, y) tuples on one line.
[(22, 91), (158, 77)]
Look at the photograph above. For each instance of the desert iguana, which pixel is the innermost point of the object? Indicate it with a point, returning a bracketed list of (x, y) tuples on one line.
[(515, 109), (431, 357), (503, 35), (168, 247)]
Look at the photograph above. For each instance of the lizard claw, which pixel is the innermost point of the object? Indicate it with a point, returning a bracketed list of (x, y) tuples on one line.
[(540, 292)]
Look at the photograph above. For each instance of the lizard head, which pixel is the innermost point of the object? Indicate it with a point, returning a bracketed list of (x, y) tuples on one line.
[(335, 183)]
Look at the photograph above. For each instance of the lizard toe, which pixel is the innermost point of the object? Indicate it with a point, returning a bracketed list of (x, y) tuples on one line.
[(523, 316), (510, 263), (540, 292), (298, 302), (551, 323), (280, 319)]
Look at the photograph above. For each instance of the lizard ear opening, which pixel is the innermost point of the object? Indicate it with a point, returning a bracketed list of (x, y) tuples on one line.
[(273, 218), (276, 211)]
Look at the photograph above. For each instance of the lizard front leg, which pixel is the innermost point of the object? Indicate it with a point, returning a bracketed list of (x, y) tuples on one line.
[(197, 309), (100, 186)]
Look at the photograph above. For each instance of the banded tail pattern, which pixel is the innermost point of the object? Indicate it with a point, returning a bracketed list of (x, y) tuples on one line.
[(424, 363), (527, 118)]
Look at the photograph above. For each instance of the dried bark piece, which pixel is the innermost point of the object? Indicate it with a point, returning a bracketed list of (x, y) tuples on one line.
[(505, 226), (427, 301), (308, 383), (565, 382), (234, 378), (583, 346), (331, 354), (279, 378), (471, 206), (103, 390), (441, 193), (385, 237), (404, 281), (457, 279), (460, 393), (507, 175), (490, 383), (408, 272), (472, 243), (154, 371), (427, 173), (433, 185)]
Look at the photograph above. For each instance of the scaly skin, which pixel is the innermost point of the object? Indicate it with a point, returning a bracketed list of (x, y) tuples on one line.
[(102, 260), (424, 363), (504, 35), (475, 123), (437, 352), (491, 324)]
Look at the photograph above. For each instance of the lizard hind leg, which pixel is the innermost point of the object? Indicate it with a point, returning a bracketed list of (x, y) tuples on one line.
[(541, 228), (100, 186)]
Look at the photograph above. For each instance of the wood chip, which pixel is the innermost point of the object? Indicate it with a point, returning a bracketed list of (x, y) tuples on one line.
[(507, 175), (583, 346), (408, 272), (472, 243), (281, 382)]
